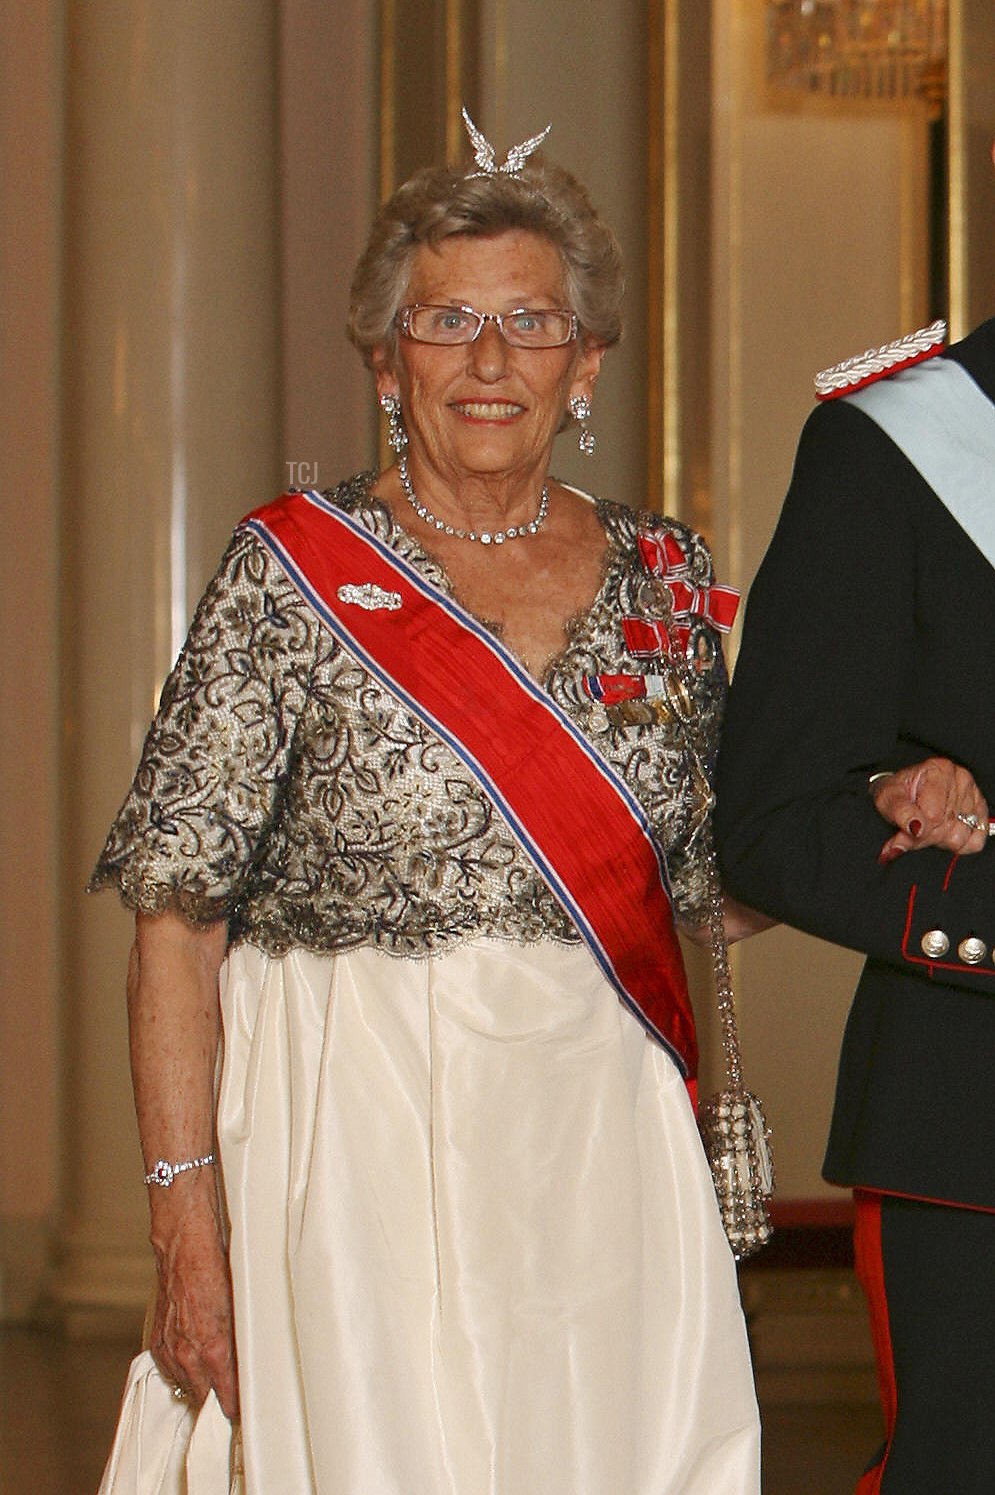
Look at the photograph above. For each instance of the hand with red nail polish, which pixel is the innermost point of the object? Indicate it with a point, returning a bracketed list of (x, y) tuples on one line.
[(932, 803)]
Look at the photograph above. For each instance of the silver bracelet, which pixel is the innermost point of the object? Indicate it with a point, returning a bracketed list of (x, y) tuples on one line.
[(163, 1173)]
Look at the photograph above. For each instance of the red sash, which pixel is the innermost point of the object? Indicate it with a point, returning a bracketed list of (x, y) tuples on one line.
[(571, 812)]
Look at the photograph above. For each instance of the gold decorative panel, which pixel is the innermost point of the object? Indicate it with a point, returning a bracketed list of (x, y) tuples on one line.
[(428, 70)]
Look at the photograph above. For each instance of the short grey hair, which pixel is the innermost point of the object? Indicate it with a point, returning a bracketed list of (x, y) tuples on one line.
[(440, 203)]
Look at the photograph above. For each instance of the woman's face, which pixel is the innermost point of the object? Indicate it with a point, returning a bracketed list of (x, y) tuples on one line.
[(485, 408)]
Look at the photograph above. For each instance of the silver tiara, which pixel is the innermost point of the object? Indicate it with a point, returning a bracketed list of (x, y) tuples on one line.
[(486, 156)]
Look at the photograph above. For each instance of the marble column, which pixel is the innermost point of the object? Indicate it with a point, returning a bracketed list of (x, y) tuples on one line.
[(171, 431), (30, 258), (551, 63)]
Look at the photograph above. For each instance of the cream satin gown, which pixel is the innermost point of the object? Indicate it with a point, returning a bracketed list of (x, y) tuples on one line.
[(475, 1246)]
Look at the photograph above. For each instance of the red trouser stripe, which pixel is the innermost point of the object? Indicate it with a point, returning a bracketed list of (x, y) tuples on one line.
[(869, 1262)]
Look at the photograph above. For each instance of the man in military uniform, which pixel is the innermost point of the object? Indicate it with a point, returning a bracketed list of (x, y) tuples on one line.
[(869, 646)]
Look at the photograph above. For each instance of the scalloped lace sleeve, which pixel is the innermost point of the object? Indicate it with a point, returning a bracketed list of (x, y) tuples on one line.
[(216, 757)]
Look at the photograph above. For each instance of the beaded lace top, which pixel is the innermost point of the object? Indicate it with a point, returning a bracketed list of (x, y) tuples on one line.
[(281, 788)]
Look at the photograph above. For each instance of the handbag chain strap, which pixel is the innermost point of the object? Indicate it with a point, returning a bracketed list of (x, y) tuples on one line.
[(725, 999), (689, 721)]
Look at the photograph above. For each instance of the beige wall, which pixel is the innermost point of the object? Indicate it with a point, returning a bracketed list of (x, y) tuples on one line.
[(328, 168), (972, 200)]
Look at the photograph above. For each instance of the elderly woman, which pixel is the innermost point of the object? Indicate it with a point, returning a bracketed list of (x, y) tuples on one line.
[(399, 846)]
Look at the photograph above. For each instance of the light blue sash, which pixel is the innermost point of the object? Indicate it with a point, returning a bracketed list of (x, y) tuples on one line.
[(945, 425)]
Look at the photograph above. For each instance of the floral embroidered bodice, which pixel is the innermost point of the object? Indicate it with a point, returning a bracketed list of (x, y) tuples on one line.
[(283, 789)]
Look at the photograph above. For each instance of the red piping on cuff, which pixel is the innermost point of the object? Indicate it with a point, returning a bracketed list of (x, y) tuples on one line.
[(923, 960)]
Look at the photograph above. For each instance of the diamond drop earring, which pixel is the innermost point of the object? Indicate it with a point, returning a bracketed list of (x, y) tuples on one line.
[(580, 409), (397, 436)]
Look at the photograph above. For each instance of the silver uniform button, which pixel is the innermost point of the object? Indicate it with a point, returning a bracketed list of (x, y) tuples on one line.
[(934, 943), (972, 950)]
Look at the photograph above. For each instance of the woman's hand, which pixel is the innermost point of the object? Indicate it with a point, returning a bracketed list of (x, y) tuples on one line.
[(932, 804), (192, 1338), (174, 1018), (741, 922), (738, 920)]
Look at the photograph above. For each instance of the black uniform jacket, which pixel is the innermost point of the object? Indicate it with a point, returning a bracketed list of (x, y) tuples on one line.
[(870, 643)]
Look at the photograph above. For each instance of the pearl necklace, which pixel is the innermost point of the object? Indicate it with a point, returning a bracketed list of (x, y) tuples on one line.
[(485, 537)]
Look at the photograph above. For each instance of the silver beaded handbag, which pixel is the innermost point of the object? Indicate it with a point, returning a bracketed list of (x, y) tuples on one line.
[(733, 1127), (732, 1124)]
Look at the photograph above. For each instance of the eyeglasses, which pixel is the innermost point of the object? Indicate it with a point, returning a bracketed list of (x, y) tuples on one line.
[(449, 326)]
